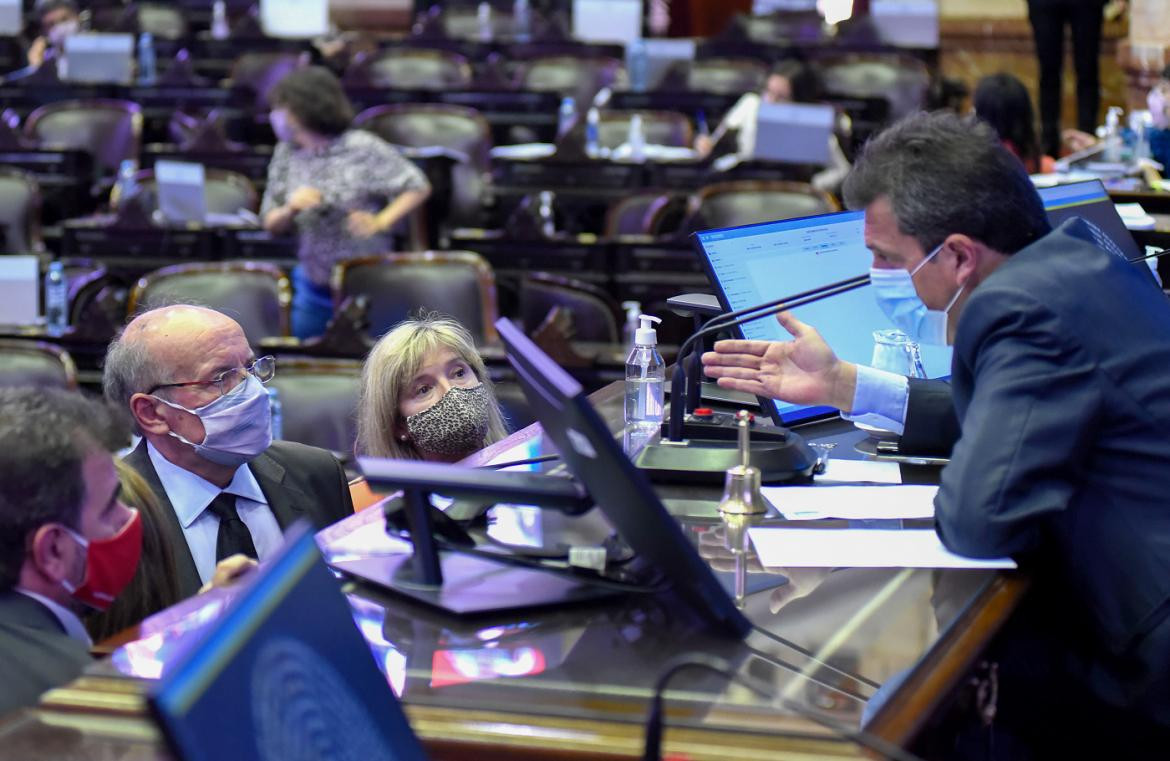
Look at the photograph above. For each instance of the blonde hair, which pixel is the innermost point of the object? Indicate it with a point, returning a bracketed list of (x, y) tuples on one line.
[(389, 369)]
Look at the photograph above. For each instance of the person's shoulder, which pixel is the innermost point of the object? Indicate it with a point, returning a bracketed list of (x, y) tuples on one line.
[(282, 450), (361, 139)]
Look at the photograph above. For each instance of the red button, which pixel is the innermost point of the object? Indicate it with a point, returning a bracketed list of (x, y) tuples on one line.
[(703, 412)]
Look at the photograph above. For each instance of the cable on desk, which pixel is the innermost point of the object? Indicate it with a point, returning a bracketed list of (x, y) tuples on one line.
[(513, 463), (807, 653), (652, 750)]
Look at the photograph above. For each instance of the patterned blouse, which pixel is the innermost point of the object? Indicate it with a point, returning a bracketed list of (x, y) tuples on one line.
[(356, 172)]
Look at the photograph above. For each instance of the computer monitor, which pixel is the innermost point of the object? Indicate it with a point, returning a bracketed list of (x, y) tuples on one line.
[(622, 492), (20, 289), (284, 673), (181, 191), (1090, 201), (753, 264), (607, 20), (794, 133), (98, 58)]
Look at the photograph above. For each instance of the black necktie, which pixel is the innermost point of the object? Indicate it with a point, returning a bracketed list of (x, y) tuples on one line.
[(234, 536)]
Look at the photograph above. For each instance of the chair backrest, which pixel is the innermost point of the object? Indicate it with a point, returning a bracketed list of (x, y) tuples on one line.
[(456, 283), (260, 71), (255, 294), (569, 75), (110, 130), (726, 76), (318, 400), (20, 212), (411, 69), (164, 21), (745, 202), (629, 215), (35, 363), (659, 127), (594, 312), (419, 125), (902, 80), (225, 191)]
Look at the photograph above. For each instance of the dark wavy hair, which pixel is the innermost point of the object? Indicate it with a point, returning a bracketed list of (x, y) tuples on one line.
[(803, 78), (315, 97), (1002, 101)]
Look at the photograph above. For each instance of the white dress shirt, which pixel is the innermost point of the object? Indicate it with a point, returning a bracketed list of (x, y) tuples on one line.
[(880, 399), (190, 495), (69, 620)]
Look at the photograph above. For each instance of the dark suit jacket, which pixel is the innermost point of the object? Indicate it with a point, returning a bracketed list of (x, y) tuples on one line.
[(298, 481), (35, 652), (1061, 379), (931, 427)]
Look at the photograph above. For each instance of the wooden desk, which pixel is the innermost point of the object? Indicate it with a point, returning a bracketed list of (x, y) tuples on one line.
[(575, 683)]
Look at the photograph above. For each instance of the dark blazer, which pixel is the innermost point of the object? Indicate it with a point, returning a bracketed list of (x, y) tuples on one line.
[(35, 652), (1061, 378), (931, 427), (298, 481)]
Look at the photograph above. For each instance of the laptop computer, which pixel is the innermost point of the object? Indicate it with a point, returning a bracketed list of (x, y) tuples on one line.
[(19, 290), (607, 20), (181, 191), (1090, 201), (794, 133), (622, 492), (283, 673), (753, 264), (11, 18), (98, 58), (294, 19)]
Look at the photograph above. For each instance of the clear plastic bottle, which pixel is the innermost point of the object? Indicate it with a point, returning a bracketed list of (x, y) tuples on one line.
[(219, 21), (638, 64), (593, 133), (645, 377), (548, 222), (630, 330), (483, 21), (522, 20), (637, 139), (277, 413), (125, 186), (1112, 139), (147, 61), (567, 115), (56, 299)]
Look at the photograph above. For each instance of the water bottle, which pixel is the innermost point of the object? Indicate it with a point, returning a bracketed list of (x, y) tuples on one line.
[(645, 377), (1140, 123), (567, 115), (637, 139), (593, 133), (483, 21), (630, 330), (126, 186), (1112, 152), (639, 66), (548, 227), (56, 299), (219, 21), (277, 416), (522, 20), (147, 63)]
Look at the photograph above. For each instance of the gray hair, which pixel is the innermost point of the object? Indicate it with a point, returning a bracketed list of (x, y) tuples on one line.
[(946, 174), (130, 369)]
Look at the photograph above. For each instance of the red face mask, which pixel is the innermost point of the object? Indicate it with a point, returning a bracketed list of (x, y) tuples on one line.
[(110, 564)]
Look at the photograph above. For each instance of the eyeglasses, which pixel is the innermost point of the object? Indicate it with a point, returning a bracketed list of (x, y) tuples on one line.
[(263, 368)]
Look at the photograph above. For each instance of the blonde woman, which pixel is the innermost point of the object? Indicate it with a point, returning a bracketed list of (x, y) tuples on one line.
[(426, 394)]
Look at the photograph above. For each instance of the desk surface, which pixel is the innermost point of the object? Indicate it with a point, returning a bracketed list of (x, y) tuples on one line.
[(840, 644)]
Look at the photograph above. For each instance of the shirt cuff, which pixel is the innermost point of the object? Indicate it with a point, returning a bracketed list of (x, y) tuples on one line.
[(880, 399)]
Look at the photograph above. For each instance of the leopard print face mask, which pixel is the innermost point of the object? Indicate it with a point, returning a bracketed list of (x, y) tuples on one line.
[(454, 425)]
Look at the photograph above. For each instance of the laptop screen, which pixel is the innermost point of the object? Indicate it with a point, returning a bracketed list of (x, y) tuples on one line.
[(753, 264), (1091, 202)]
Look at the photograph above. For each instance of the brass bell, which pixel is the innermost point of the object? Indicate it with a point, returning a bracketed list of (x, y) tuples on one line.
[(741, 488)]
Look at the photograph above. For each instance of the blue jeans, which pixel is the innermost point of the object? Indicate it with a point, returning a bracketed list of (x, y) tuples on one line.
[(312, 306)]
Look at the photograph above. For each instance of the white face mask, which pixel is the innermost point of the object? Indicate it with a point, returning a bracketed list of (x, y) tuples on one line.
[(238, 425), (898, 298)]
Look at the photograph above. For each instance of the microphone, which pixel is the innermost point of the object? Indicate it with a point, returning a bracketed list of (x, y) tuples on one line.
[(682, 382), (783, 457)]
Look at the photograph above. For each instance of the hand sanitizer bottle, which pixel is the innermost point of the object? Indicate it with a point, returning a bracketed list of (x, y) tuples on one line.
[(645, 377)]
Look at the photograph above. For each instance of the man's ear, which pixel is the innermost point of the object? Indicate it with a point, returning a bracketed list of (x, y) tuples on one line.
[(147, 414), (965, 252), (46, 552)]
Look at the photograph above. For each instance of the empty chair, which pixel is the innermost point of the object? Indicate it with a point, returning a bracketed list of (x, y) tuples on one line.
[(35, 363), (569, 75), (164, 21), (594, 312), (631, 215), (420, 125), (259, 72), (410, 69), (460, 284), (901, 80), (659, 128), (745, 202), (318, 400), (225, 192), (257, 295), (109, 130), (726, 76), (20, 212)]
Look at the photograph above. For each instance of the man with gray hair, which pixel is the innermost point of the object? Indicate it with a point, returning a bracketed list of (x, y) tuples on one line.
[(195, 391), (1062, 404)]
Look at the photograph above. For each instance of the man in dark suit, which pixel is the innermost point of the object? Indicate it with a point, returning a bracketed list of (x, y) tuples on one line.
[(195, 391), (67, 543), (1063, 403)]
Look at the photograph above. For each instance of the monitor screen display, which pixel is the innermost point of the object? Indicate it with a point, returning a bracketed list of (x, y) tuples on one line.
[(753, 264), (1091, 202)]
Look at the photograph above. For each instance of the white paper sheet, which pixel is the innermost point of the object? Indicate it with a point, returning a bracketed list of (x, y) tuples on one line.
[(861, 472), (852, 503), (859, 548)]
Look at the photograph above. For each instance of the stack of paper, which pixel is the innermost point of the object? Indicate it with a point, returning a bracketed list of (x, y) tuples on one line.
[(859, 548)]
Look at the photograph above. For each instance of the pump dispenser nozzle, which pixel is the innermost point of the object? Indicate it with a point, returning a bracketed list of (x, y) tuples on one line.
[(646, 334)]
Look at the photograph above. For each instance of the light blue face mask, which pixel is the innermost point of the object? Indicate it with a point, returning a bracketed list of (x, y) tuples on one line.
[(898, 298), (238, 425)]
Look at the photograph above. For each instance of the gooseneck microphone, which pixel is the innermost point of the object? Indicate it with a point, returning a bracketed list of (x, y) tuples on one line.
[(682, 381)]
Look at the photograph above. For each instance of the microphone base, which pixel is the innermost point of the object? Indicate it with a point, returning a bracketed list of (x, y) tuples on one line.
[(703, 461), (721, 427)]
